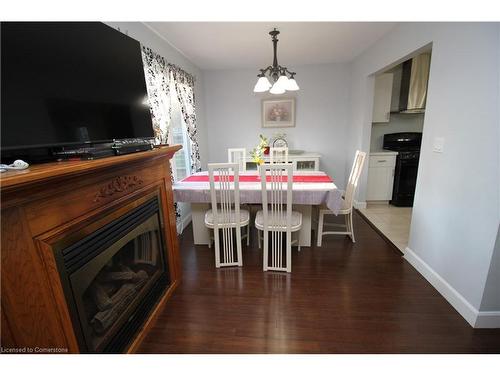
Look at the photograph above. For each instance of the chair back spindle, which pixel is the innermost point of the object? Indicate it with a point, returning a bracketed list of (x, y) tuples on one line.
[(278, 155), (352, 183), (276, 180), (238, 156), (225, 197)]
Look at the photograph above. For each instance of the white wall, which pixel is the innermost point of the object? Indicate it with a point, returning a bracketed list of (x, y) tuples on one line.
[(234, 113), (456, 209), (149, 38)]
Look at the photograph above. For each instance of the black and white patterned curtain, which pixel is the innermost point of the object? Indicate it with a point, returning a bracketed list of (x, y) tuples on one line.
[(184, 87), (158, 87), (164, 80)]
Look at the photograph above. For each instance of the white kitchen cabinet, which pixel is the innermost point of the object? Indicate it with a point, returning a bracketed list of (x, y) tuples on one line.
[(381, 176), (382, 98)]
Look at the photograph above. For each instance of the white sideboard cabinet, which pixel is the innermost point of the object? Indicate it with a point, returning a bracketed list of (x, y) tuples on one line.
[(304, 161)]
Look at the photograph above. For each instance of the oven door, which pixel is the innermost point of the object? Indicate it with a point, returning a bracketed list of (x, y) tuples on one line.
[(405, 181)]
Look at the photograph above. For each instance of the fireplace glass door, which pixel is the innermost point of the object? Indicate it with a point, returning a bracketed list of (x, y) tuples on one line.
[(110, 285)]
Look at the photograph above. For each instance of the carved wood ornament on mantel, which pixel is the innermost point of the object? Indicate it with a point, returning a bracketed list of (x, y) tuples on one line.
[(117, 185)]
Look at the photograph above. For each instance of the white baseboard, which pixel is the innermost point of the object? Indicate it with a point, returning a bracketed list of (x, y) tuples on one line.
[(359, 205), (488, 319), (477, 319)]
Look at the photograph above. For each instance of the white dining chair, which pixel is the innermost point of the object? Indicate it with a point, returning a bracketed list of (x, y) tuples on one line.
[(347, 202), (277, 217), (238, 156), (278, 155), (226, 215)]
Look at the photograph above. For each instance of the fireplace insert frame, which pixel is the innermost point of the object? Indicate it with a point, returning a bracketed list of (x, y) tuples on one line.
[(108, 231)]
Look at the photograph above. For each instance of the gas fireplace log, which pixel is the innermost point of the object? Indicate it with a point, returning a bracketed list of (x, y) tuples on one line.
[(119, 276), (110, 288), (120, 300), (104, 319), (127, 275), (100, 297), (125, 268), (140, 275), (125, 291)]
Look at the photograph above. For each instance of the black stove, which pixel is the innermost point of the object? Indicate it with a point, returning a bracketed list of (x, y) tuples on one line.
[(408, 155), (405, 174)]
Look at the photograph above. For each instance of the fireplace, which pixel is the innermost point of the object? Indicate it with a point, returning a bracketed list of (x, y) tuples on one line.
[(113, 276)]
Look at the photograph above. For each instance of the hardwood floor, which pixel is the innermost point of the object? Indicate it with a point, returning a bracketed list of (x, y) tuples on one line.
[(340, 298)]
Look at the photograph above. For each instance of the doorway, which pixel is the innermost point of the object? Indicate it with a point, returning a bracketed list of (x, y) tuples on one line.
[(400, 95)]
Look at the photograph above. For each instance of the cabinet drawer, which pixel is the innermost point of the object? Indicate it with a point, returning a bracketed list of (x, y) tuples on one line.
[(382, 161)]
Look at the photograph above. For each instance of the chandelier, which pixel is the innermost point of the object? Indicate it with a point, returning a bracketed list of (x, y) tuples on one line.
[(283, 79)]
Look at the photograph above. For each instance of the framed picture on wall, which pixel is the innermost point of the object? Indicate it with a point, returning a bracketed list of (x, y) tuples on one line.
[(278, 113)]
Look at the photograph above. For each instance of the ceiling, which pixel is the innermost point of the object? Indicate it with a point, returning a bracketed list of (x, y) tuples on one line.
[(234, 45)]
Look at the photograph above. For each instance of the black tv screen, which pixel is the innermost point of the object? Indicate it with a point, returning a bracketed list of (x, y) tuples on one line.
[(70, 83)]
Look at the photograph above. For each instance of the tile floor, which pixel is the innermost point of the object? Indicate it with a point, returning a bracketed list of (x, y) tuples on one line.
[(393, 222)]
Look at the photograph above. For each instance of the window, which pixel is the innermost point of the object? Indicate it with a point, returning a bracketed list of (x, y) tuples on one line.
[(181, 162), (182, 159)]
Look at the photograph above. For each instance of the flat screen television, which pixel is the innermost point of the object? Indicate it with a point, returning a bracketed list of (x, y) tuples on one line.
[(70, 83)]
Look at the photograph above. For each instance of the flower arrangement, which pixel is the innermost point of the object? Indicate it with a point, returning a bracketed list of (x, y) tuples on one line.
[(258, 152), (278, 112)]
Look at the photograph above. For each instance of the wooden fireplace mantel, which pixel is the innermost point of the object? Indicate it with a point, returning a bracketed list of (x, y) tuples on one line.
[(45, 203)]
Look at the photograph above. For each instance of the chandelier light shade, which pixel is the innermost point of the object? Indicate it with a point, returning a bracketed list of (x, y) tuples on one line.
[(283, 79), (291, 85), (262, 84), (277, 89)]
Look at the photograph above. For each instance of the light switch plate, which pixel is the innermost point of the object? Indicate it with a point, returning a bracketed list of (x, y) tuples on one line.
[(438, 144)]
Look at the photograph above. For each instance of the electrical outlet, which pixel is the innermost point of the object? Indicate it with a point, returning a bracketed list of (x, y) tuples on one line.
[(438, 144)]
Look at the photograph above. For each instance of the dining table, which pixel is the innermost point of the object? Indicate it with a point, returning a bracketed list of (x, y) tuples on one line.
[(309, 189)]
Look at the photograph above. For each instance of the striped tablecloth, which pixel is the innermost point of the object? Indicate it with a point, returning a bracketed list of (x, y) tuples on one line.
[(309, 188)]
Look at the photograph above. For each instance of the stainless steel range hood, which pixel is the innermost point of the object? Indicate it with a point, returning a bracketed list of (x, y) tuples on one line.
[(413, 94)]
